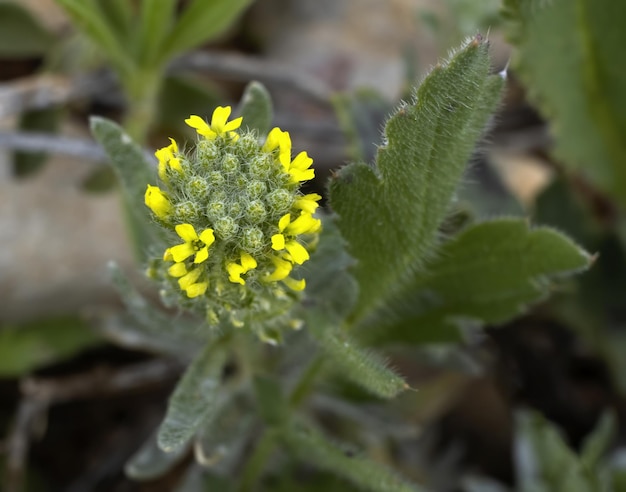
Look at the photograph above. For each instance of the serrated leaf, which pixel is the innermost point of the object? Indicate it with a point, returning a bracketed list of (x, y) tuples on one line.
[(21, 35), (256, 108), (311, 446), (195, 399), (200, 22), (567, 56), (134, 173), (390, 213), (490, 272), (151, 462), (24, 348)]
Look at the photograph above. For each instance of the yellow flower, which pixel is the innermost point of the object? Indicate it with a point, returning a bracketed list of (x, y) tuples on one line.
[(293, 284), (299, 168), (194, 244), (187, 282), (158, 202), (304, 224), (166, 157), (278, 139), (219, 124), (282, 271), (236, 270), (308, 203), (298, 253)]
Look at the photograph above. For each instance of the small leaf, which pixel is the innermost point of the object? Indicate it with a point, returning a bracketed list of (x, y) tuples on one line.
[(135, 174), (311, 446), (490, 273), (390, 213), (194, 400), (200, 22), (21, 36), (567, 55), (256, 108), (27, 347), (151, 462)]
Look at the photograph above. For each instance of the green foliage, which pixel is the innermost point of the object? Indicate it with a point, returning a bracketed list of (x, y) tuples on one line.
[(390, 214), (567, 56), (490, 272), (24, 348), (20, 34), (256, 108), (42, 120), (151, 462), (134, 172), (195, 399), (312, 446), (545, 463)]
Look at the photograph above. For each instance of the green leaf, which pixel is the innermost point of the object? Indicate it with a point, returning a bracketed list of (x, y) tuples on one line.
[(490, 272), (597, 443), (88, 17), (567, 56), (27, 347), (195, 399), (151, 328), (544, 463), (151, 462), (330, 295), (134, 173), (119, 16), (390, 213), (21, 36), (256, 108), (311, 446), (155, 22), (200, 22)]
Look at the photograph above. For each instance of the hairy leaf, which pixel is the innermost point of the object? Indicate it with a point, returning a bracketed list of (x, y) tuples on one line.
[(195, 399), (311, 446), (490, 272), (151, 462), (256, 108), (390, 213), (155, 21), (134, 173), (568, 56)]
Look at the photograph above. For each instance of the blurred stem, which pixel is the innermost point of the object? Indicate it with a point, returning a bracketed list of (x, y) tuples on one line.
[(305, 384), (142, 90), (256, 463)]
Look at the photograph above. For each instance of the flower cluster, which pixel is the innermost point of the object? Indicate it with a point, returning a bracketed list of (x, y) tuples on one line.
[(242, 225)]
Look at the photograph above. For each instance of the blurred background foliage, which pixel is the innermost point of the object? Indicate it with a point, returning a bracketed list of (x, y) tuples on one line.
[(536, 404)]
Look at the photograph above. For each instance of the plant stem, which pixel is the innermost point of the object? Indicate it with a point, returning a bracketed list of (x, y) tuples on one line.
[(142, 90), (262, 452), (305, 384)]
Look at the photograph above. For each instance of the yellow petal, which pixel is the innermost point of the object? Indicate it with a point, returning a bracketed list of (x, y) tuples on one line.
[(173, 146), (207, 237), (284, 222), (301, 162), (305, 224), (248, 262), (297, 252), (186, 232), (293, 284), (177, 270), (278, 242), (233, 125), (201, 126), (157, 202), (181, 252), (273, 139), (167, 255), (196, 290), (174, 163), (298, 176), (308, 203), (234, 273), (283, 269), (189, 279), (219, 118), (201, 255)]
